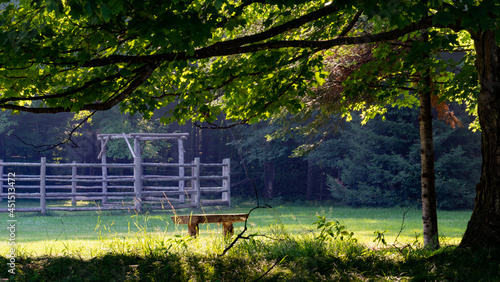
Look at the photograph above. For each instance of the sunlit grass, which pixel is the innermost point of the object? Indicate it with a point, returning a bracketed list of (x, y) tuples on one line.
[(282, 244), (91, 233)]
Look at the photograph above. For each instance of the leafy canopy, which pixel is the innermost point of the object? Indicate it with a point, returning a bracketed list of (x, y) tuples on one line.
[(249, 59)]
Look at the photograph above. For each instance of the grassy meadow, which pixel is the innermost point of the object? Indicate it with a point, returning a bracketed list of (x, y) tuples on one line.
[(52, 234), (283, 243)]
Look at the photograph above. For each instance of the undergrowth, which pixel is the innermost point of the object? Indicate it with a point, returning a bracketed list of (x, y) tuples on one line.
[(331, 253)]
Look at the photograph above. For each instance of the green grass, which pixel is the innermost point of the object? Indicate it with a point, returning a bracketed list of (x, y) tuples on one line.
[(279, 258), (284, 244), (58, 229)]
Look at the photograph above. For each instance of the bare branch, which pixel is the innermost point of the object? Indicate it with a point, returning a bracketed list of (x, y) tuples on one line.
[(67, 140)]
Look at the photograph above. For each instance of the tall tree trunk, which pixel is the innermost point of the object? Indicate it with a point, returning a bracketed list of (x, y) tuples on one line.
[(269, 177), (483, 229), (269, 173), (310, 180), (427, 178)]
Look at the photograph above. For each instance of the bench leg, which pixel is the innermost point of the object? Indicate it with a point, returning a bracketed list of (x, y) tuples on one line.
[(193, 229), (228, 229)]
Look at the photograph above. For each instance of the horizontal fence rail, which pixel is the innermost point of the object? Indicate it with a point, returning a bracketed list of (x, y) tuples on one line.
[(118, 186)]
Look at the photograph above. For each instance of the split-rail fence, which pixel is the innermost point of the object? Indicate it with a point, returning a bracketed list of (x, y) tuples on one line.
[(120, 185)]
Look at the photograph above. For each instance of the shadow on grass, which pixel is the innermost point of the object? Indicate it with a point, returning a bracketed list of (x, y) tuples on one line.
[(297, 260), (111, 267)]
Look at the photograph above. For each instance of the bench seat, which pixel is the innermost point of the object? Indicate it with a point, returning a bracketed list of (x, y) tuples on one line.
[(193, 220)]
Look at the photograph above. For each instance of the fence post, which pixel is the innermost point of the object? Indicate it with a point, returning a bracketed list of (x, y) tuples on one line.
[(104, 171), (226, 182), (137, 175), (1, 179), (180, 147), (73, 183), (43, 172), (196, 182)]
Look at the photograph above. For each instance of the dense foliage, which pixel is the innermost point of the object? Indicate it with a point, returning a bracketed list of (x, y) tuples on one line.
[(376, 164), (380, 162), (249, 59)]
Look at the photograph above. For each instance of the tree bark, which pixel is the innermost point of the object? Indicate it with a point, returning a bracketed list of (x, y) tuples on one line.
[(483, 229), (269, 177), (429, 213), (310, 181)]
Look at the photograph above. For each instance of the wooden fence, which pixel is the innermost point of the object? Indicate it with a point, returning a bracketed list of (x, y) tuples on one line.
[(118, 187)]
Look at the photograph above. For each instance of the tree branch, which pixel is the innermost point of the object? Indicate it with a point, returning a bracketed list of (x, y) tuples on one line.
[(229, 47), (247, 44), (351, 24), (238, 12), (241, 45), (67, 140), (86, 85), (146, 72)]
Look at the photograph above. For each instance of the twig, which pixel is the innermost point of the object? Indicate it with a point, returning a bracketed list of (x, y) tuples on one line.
[(68, 139), (269, 270), (240, 236), (402, 224)]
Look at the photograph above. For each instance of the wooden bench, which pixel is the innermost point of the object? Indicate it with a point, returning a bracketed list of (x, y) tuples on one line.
[(193, 220)]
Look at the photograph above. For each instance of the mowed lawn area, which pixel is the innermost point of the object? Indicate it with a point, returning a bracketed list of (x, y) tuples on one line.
[(58, 232)]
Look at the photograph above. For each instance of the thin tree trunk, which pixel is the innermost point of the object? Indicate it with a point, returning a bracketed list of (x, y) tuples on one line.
[(483, 229), (269, 173), (310, 181), (269, 177), (429, 212)]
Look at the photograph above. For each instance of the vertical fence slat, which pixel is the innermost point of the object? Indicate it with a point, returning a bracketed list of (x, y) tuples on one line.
[(196, 182), (192, 183), (180, 147), (43, 172), (73, 183), (104, 171), (226, 183), (1, 179), (137, 175)]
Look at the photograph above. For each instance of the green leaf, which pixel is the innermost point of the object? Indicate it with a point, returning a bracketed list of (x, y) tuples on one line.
[(106, 13), (54, 6), (126, 72), (218, 4), (89, 9), (497, 36), (443, 18)]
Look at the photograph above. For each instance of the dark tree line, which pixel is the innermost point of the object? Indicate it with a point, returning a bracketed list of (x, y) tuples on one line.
[(377, 164)]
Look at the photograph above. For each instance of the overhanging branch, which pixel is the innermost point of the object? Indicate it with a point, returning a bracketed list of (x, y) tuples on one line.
[(139, 79), (245, 45), (86, 85), (248, 44)]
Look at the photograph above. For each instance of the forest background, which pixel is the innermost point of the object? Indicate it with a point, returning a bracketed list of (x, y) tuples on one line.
[(371, 165)]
